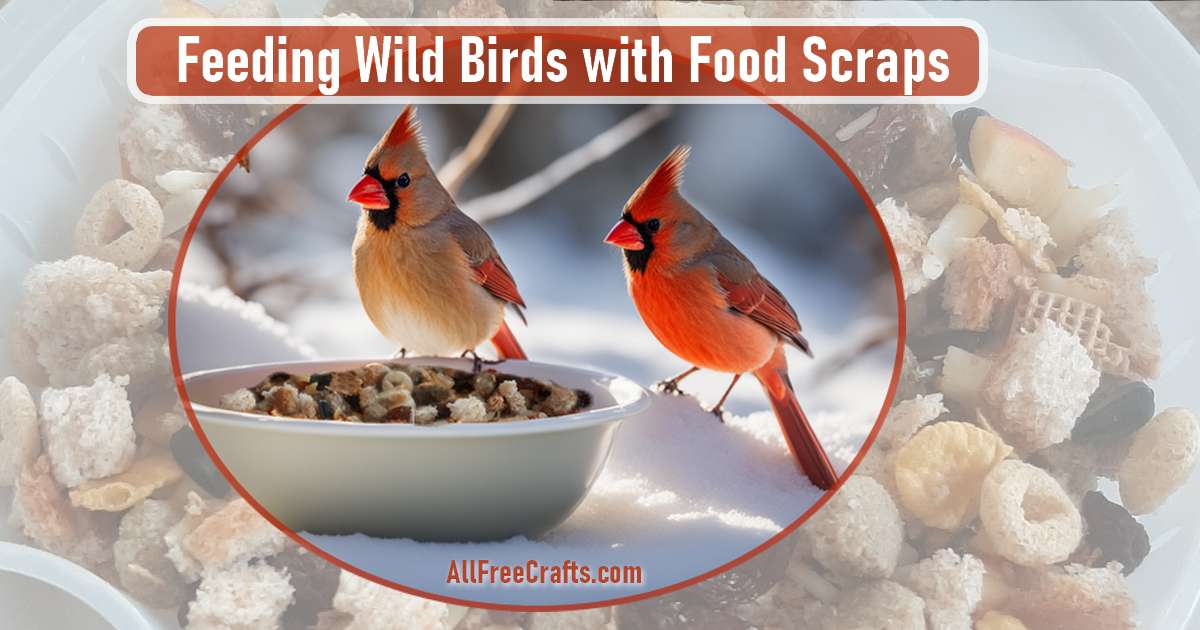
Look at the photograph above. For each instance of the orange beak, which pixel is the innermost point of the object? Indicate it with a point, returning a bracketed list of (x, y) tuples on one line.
[(625, 236), (368, 193)]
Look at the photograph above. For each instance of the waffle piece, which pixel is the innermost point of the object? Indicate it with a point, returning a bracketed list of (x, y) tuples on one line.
[(1080, 318)]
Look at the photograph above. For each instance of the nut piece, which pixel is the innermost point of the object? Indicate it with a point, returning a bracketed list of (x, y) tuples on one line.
[(88, 430), (858, 533), (122, 224), (1027, 516), (939, 471), (1160, 460), (1041, 386), (20, 442), (979, 282)]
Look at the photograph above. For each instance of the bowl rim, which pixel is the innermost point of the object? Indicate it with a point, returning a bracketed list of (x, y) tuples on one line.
[(574, 421)]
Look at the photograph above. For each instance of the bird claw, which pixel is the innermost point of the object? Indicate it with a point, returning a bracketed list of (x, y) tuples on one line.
[(477, 362), (669, 386), (401, 353), (719, 413)]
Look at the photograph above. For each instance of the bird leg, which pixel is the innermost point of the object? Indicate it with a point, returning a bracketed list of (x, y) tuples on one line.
[(401, 353), (671, 385), (477, 362), (716, 410)]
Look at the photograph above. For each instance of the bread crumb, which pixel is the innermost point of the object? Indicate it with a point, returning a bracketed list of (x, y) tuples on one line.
[(242, 597), (910, 238), (88, 430), (951, 586), (241, 400), (979, 281), (234, 534), (859, 532), (468, 409), (20, 442), (1041, 385)]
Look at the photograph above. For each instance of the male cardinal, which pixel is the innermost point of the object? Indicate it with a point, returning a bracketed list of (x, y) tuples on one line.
[(428, 275), (704, 300)]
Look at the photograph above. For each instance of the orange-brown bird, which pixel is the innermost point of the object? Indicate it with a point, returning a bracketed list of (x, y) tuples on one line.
[(429, 276), (705, 301)]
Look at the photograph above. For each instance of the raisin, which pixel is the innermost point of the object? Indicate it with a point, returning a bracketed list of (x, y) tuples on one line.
[(324, 410), (1117, 409), (429, 393), (443, 411), (321, 380), (963, 121), (583, 399), (1113, 534), (194, 461)]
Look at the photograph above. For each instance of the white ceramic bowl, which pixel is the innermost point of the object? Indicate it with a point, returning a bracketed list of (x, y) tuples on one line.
[(462, 482)]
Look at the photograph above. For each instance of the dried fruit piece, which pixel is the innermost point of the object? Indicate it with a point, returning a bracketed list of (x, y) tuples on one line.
[(1015, 165), (1113, 534), (1027, 516), (1118, 408), (1160, 459), (939, 471)]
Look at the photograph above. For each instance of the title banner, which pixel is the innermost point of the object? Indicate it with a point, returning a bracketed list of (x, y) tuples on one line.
[(218, 61)]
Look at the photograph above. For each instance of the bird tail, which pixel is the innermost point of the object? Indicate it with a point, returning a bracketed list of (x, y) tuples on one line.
[(506, 344), (801, 439)]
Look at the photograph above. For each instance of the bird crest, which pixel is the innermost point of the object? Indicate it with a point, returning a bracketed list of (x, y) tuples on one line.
[(662, 183), (406, 128)]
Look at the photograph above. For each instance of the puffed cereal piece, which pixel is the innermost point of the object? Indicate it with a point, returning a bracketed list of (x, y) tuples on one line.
[(468, 409), (138, 356), (939, 471), (139, 554), (376, 607), (195, 510), (396, 379), (71, 307), (20, 441), (234, 534), (1074, 596), (88, 430), (241, 400), (1160, 460), (951, 586), (126, 489), (1041, 385), (979, 281), (122, 224), (1027, 516), (910, 236), (242, 597), (45, 515), (859, 532), (876, 605), (992, 620)]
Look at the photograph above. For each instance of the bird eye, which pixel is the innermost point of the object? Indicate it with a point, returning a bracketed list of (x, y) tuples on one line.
[(653, 225), (403, 181)]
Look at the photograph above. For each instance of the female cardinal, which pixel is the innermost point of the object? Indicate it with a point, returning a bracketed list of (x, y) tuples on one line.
[(704, 300), (428, 276)]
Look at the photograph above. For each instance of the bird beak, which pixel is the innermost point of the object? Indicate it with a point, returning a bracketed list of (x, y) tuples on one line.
[(625, 236), (368, 193)]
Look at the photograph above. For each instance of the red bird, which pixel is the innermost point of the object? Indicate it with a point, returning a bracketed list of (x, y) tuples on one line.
[(704, 300), (428, 275)]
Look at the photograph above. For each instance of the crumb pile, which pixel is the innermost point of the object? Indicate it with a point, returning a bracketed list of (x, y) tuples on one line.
[(407, 394)]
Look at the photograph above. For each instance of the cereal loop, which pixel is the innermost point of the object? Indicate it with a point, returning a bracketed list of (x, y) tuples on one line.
[(939, 470), (1027, 516), (122, 224)]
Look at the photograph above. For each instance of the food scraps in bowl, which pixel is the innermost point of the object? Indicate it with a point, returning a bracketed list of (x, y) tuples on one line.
[(407, 394)]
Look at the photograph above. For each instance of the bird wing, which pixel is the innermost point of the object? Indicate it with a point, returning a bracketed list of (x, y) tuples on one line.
[(488, 270), (749, 293)]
